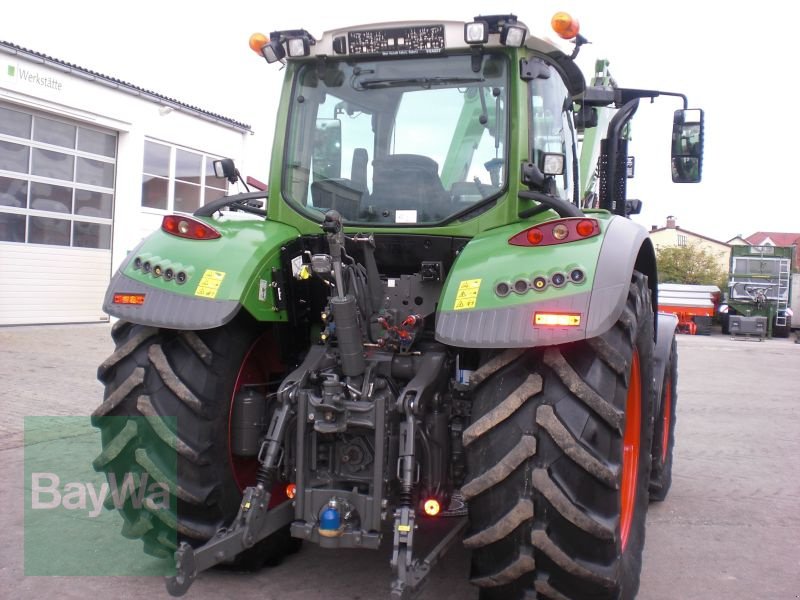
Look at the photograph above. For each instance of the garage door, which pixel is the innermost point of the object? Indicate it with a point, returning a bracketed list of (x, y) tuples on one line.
[(56, 216)]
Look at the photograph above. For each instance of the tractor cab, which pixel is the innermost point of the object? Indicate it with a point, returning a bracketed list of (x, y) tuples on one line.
[(411, 125)]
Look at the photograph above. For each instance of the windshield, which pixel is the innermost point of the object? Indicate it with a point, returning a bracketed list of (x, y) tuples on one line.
[(417, 140)]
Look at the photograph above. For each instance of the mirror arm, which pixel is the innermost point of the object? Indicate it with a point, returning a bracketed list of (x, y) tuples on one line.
[(239, 177)]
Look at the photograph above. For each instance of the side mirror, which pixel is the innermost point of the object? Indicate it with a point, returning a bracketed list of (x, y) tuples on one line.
[(687, 146), (226, 169)]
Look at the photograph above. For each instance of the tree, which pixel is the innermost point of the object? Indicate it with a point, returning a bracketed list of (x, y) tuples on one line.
[(690, 265)]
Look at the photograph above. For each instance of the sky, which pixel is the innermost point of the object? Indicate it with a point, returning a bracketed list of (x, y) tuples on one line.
[(734, 60)]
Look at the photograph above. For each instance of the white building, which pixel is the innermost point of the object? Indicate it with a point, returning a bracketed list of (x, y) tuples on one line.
[(88, 167)]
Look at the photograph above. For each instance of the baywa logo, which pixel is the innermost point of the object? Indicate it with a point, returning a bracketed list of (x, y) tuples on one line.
[(47, 493), (95, 490), (12, 70)]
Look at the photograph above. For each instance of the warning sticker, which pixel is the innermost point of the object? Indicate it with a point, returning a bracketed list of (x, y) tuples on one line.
[(467, 294), (209, 284)]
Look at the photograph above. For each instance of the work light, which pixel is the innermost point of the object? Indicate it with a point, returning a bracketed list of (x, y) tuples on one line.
[(298, 46), (476, 32), (512, 35), (273, 51), (552, 163)]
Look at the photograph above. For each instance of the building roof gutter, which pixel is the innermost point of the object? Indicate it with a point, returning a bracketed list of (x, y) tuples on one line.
[(122, 86)]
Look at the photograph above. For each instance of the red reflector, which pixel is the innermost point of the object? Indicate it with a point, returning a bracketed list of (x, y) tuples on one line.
[(170, 225), (557, 319), (188, 228), (585, 228), (535, 236), (432, 507), (129, 298)]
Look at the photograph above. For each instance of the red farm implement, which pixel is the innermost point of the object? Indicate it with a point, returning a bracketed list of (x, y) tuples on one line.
[(694, 305)]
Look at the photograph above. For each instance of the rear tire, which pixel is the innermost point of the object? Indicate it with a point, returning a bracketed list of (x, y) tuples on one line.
[(703, 325), (781, 331), (664, 434), (166, 416), (558, 463), (724, 320)]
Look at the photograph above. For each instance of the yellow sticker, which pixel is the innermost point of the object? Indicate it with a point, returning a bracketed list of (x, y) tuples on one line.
[(467, 294), (209, 284), (467, 303)]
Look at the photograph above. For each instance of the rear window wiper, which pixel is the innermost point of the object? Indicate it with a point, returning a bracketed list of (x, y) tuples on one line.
[(424, 82)]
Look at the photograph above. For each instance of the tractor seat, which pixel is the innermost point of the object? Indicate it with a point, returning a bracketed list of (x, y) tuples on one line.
[(409, 182)]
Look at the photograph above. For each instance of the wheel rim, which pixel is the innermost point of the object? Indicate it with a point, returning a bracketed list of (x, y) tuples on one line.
[(667, 420), (631, 446)]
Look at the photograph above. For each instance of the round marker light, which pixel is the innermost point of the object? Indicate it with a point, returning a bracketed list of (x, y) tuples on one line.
[(183, 227), (560, 231), (291, 491), (558, 279), (146, 267), (520, 286), (535, 236), (576, 275), (565, 26), (502, 289), (169, 274), (157, 271), (585, 228), (137, 262), (539, 284), (432, 507), (180, 277)]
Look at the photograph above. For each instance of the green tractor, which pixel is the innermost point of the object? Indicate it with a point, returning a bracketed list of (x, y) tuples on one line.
[(438, 318), (759, 290)]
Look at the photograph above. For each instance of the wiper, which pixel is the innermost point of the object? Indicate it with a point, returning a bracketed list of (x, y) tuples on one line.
[(424, 82)]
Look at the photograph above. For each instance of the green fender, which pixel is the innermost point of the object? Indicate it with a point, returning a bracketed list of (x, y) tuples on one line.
[(474, 313), (666, 327), (221, 276)]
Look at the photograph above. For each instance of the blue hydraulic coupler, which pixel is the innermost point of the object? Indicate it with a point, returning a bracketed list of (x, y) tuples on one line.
[(330, 522)]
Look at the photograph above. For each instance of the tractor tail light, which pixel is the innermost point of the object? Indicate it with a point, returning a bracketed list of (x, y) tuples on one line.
[(291, 491), (432, 507), (542, 319), (135, 299), (559, 231), (189, 228)]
